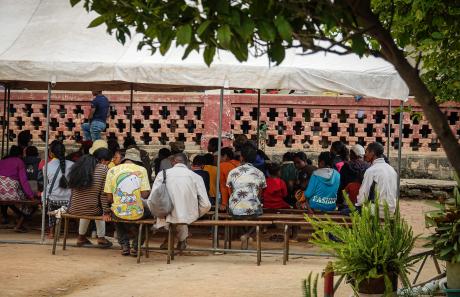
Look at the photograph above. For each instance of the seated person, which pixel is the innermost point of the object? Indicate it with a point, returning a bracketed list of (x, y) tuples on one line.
[(304, 171), (87, 180), (227, 164), (197, 167), (276, 190), (321, 193), (15, 187), (126, 186), (289, 175), (31, 161)]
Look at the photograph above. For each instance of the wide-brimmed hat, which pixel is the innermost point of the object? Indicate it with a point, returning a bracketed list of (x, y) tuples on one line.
[(177, 146), (133, 154), (97, 145), (358, 150)]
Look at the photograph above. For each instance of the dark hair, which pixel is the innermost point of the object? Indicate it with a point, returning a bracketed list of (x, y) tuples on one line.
[(58, 149), (15, 151), (327, 158), (24, 137), (248, 152), (81, 173), (113, 145), (208, 159), (214, 142), (340, 149), (32, 151), (199, 160), (288, 156), (129, 141), (163, 153), (273, 169), (85, 146), (103, 154), (302, 156), (227, 151), (181, 157), (376, 148)]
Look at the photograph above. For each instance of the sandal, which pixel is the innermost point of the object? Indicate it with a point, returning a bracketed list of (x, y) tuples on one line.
[(21, 230), (133, 252), (103, 243), (125, 251)]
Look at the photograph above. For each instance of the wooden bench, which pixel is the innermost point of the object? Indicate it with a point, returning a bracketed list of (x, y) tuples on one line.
[(25, 202), (286, 225)]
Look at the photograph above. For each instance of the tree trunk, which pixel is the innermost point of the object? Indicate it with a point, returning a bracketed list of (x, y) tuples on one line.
[(410, 75)]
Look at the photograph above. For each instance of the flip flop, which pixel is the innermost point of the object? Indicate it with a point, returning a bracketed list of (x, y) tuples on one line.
[(84, 243)]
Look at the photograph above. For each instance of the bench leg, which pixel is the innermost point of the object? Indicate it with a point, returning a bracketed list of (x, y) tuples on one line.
[(173, 235), (139, 244), (170, 243), (66, 232), (259, 246), (226, 237), (147, 233), (286, 244), (57, 231), (230, 237)]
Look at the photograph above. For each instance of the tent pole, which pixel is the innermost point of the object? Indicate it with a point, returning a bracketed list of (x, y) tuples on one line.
[(219, 148), (258, 117), (400, 143), (45, 168), (389, 130), (4, 121), (8, 121), (131, 111)]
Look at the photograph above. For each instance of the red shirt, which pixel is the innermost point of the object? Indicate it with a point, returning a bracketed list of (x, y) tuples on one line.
[(353, 189), (274, 193)]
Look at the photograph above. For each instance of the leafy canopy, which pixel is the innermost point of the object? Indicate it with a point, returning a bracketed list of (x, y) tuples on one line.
[(427, 30)]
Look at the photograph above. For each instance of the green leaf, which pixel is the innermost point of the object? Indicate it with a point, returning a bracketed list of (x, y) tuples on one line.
[(358, 44), (277, 52), (184, 34), (266, 31), (189, 49), (209, 52), (247, 27), (283, 27), (446, 251), (224, 35), (437, 35), (203, 26), (74, 2), (97, 21)]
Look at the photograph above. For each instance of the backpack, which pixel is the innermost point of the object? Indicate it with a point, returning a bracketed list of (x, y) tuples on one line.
[(159, 201)]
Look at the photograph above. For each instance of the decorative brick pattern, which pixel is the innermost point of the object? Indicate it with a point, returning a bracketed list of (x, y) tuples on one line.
[(293, 121)]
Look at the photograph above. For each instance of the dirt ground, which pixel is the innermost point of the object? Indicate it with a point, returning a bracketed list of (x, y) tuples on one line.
[(31, 270)]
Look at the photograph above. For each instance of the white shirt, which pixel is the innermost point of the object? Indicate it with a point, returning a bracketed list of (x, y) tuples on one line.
[(187, 192), (385, 178)]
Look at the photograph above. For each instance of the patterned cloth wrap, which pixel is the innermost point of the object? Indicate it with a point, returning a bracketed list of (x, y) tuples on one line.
[(10, 190)]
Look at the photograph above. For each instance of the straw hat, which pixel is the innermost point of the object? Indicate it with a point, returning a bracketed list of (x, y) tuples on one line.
[(97, 145), (133, 154)]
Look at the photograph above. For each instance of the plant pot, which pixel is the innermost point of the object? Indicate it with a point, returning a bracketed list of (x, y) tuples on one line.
[(377, 285), (449, 292), (453, 275)]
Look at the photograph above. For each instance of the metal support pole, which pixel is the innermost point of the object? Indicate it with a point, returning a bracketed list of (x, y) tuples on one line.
[(8, 121), (4, 122), (131, 111), (219, 148), (389, 130), (45, 168), (400, 148), (258, 117)]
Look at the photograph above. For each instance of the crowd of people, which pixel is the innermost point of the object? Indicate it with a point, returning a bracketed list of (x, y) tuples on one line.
[(103, 179)]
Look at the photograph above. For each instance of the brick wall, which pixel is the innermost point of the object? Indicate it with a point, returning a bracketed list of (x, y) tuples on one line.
[(298, 122)]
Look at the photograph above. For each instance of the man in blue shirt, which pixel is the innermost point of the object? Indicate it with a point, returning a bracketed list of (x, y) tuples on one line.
[(97, 117)]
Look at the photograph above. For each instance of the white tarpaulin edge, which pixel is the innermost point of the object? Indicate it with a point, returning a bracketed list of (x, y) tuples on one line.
[(48, 40)]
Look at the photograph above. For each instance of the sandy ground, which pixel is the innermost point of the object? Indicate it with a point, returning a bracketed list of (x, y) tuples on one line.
[(31, 270)]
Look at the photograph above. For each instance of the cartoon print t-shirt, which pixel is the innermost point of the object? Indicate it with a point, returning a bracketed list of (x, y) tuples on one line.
[(126, 182)]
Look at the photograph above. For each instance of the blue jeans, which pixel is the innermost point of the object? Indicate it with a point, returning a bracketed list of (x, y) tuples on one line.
[(92, 131)]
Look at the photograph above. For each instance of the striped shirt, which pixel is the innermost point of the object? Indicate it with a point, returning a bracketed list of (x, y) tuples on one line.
[(91, 201)]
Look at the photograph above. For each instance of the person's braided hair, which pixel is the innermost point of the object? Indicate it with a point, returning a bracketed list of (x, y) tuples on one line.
[(58, 150)]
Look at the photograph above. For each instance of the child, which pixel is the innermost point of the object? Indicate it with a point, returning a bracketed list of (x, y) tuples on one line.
[(197, 167), (276, 190)]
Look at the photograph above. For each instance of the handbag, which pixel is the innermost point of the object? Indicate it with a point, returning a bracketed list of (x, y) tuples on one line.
[(159, 201)]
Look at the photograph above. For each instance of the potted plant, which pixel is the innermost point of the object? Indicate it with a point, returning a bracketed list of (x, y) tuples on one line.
[(372, 252), (445, 240)]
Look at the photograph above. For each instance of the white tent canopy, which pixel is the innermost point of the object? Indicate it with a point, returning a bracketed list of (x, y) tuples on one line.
[(47, 40)]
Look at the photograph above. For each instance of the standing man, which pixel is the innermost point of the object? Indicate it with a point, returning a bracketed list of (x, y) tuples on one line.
[(380, 180), (97, 117), (188, 195)]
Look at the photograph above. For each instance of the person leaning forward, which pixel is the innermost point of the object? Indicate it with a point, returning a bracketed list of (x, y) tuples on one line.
[(190, 199), (125, 186)]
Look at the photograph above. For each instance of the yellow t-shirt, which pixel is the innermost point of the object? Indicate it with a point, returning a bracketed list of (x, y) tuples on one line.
[(111, 165), (126, 182), (212, 170)]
